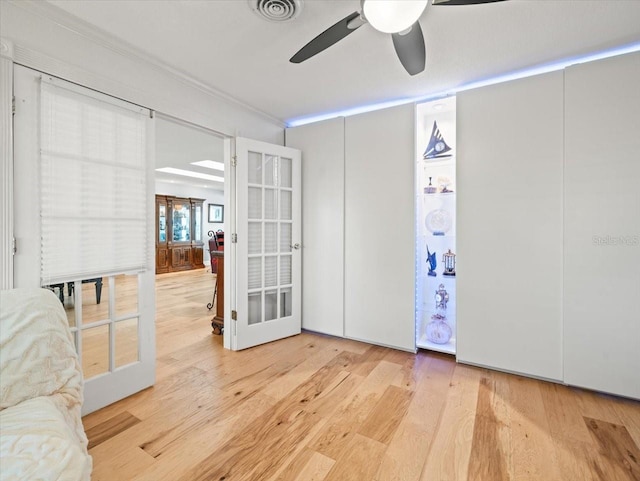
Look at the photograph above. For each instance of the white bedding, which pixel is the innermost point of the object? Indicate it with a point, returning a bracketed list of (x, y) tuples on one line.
[(38, 443), (41, 433)]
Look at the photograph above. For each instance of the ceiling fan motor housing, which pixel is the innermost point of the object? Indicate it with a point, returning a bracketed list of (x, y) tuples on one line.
[(276, 10)]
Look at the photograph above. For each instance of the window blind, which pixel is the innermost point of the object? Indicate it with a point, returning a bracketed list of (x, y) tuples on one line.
[(93, 184)]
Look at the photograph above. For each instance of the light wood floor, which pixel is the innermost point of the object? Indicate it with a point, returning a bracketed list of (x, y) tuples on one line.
[(318, 408)]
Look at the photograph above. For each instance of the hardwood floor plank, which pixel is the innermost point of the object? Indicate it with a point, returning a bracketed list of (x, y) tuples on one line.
[(487, 461), (125, 465), (358, 462), (353, 410), (296, 465), (563, 413), (629, 413), (195, 447), (619, 454), (382, 422), (409, 448), (369, 360), (278, 431), (316, 469), (531, 433), (111, 427), (448, 458)]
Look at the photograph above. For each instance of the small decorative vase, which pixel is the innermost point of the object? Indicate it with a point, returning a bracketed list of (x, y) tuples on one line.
[(430, 189), (438, 331)]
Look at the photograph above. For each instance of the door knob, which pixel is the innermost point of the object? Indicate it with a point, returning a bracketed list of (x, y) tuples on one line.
[(295, 246)]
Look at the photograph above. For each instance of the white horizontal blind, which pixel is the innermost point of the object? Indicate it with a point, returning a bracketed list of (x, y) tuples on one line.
[(92, 184)]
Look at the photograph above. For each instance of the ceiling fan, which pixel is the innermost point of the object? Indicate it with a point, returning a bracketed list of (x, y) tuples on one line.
[(400, 18)]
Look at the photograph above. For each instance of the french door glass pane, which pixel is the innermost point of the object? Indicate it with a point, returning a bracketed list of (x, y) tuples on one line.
[(285, 205), (91, 310), (255, 273), (270, 170), (270, 271), (285, 269), (255, 308), (255, 203), (270, 305), (270, 237), (270, 203), (285, 302), (126, 342), (285, 172), (255, 168), (255, 238), (285, 237), (126, 294), (95, 351)]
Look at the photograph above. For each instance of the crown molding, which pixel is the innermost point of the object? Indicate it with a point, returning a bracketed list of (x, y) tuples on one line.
[(103, 39), (6, 48)]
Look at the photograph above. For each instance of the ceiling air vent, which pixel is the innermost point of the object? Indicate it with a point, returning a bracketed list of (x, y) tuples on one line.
[(276, 10)]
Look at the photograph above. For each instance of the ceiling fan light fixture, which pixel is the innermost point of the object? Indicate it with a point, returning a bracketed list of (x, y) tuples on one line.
[(393, 16)]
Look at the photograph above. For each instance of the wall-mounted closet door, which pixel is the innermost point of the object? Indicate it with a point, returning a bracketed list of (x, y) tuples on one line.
[(322, 146), (379, 245), (602, 225), (509, 232)]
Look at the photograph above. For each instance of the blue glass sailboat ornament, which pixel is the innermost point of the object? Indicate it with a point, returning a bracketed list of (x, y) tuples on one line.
[(431, 260), (437, 147)]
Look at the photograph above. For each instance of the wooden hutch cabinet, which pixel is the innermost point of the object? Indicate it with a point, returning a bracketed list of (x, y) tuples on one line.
[(179, 244)]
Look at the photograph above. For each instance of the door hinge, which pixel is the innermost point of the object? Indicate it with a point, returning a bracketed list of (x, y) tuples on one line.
[(14, 247), (234, 238), (234, 315), (234, 161), (13, 105)]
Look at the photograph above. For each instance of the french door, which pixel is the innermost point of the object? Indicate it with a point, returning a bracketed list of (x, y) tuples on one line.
[(112, 314), (268, 267)]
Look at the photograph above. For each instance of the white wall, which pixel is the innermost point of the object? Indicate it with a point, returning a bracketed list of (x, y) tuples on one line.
[(322, 146), (47, 39), (211, 196), (602, 225), (509, 233)]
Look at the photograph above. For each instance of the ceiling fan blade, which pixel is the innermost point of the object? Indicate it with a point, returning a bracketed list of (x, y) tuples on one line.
[(410, 49), (463, 2), (333, 34)]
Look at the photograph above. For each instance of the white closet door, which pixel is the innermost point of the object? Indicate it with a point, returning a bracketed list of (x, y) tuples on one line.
[(509, 231), (380, 228), (602, 226), (322, 146)]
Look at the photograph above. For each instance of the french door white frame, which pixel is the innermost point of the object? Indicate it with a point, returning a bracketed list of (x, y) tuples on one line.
[(6, 164), (117, 382), (244, 334)]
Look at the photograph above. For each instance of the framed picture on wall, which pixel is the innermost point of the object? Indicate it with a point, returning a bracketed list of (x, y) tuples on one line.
[(216, 213)]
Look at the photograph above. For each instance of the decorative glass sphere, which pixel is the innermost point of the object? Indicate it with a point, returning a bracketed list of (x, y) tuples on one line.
[(438, 331)]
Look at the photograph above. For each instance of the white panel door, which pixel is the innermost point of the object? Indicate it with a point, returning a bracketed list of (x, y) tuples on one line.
[(268, 251), (113, 322), (509, 232), (322, 145), (602, 226)]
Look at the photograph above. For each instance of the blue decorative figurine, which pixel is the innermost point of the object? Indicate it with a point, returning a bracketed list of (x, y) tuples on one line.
[(431, 260)]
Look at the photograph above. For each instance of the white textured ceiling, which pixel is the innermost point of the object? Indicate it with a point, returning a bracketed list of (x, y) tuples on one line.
[(223, 44)]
